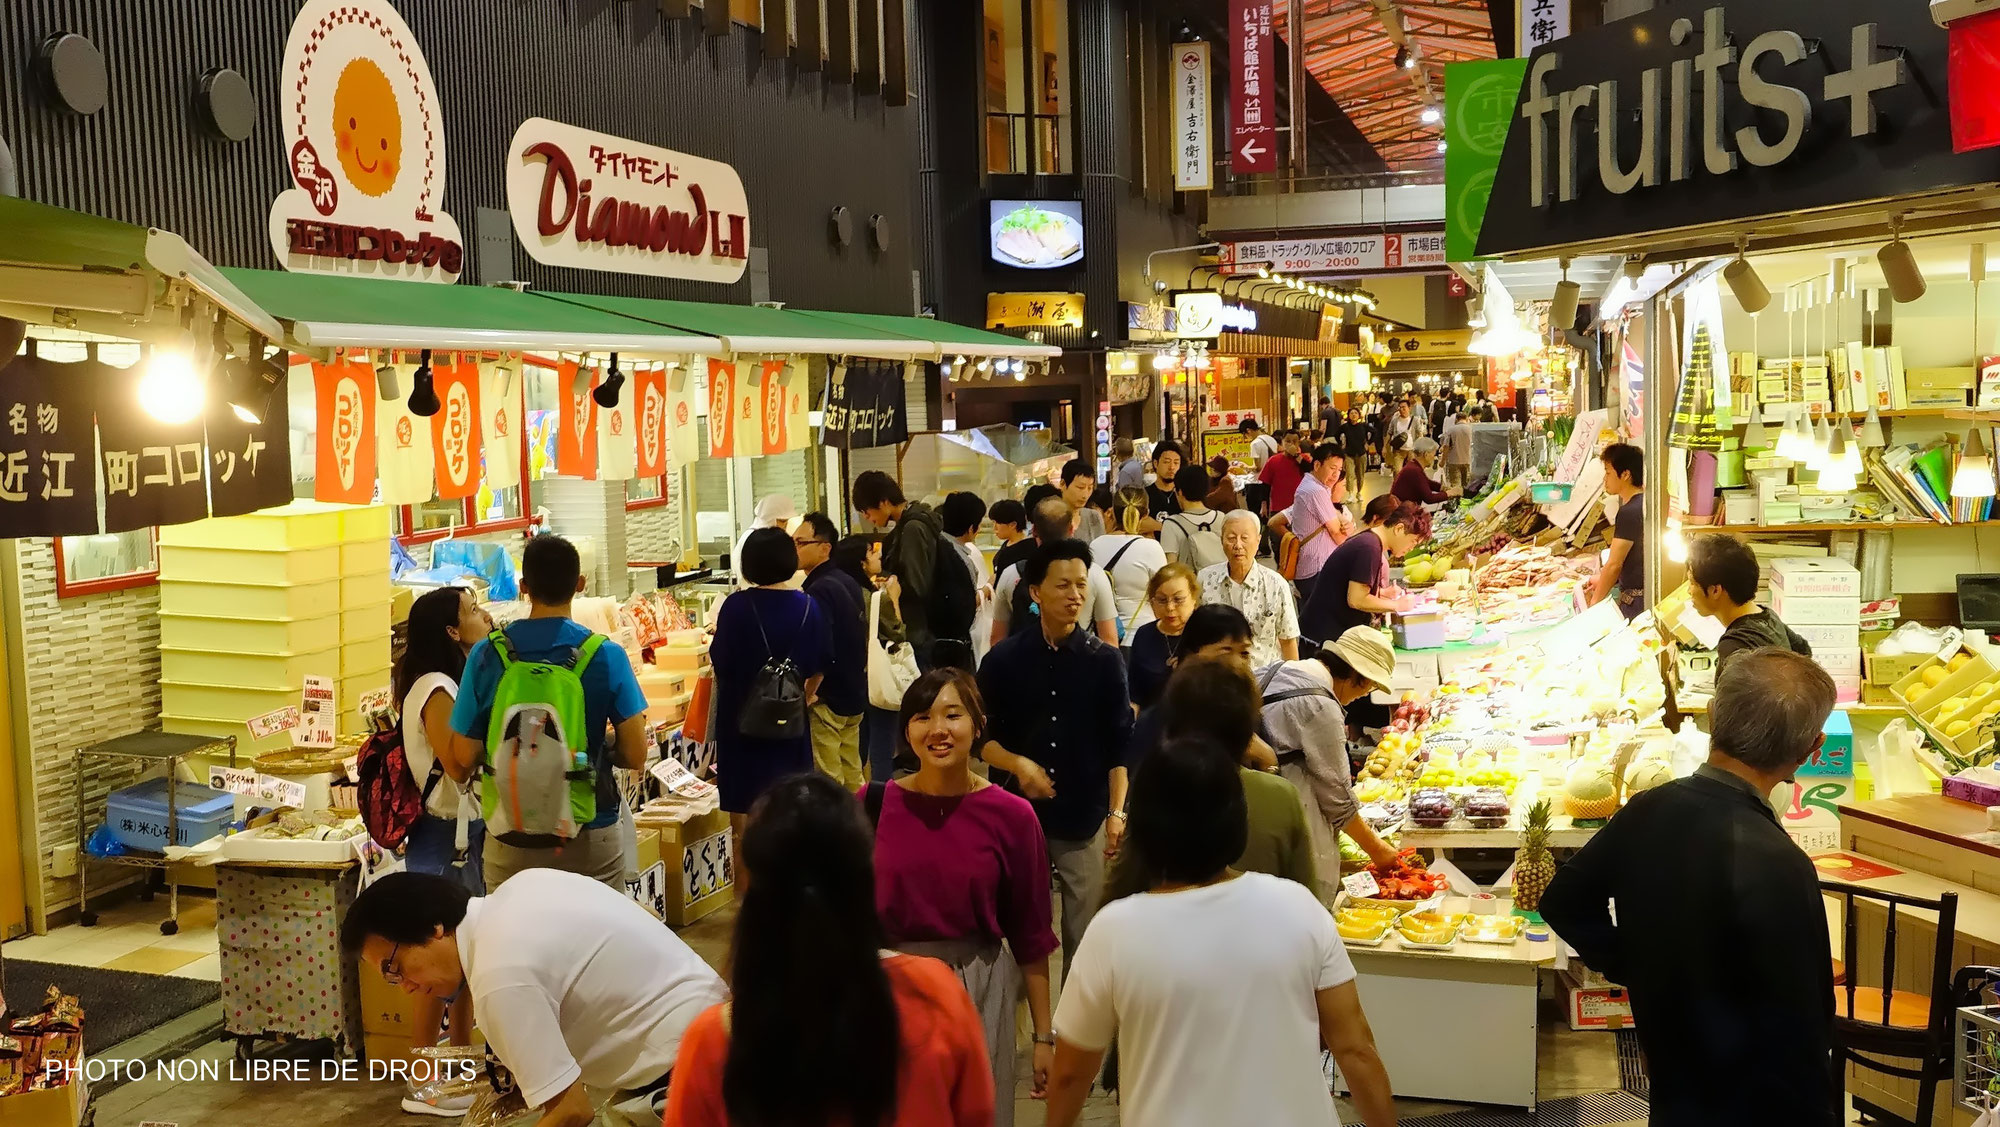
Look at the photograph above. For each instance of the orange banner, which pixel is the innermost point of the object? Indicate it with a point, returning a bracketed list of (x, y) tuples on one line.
[(649, 399), (774, 390), (576, 444), (344, 458), (722, 398), (455, 428)]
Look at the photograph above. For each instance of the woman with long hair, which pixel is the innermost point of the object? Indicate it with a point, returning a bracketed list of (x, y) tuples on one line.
[(1129, 558), (1172, 594), (447, 840), (962, 867), (822, 1026)]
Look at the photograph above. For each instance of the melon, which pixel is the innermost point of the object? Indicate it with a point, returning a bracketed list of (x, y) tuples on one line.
[(1934, 674), (1591, 791), (1958, 662), (1648, 774)]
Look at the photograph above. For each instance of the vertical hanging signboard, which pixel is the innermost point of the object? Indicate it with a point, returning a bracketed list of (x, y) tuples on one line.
[(1193, 169), (1253, 121)]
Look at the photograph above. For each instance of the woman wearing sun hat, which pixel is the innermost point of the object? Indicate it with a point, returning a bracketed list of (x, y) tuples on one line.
[(1305, 721)]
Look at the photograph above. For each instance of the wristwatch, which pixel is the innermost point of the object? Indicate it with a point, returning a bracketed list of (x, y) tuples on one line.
[(1118, 814), (1050, 1040)]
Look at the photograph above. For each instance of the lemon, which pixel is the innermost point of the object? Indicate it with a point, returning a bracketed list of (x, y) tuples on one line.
[(1959, 661), (1934, 674)]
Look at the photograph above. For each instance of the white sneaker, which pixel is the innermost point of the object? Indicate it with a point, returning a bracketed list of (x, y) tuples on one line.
[(429, 1101)]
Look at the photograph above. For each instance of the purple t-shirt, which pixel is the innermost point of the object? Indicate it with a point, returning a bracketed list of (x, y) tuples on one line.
[(966, 867)]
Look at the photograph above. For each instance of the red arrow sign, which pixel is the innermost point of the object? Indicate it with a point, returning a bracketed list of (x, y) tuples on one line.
[(1253, 100)]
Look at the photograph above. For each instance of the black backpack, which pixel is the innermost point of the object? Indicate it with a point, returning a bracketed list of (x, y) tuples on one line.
[(776, 706), (954, 602)]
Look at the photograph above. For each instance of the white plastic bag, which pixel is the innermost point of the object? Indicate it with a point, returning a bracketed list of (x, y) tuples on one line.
[(892, 669)]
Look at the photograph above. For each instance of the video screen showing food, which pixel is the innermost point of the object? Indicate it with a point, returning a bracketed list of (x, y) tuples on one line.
[(1035, 235)]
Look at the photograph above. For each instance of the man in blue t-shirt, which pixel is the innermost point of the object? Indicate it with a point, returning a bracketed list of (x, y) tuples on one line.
[(552, 576)]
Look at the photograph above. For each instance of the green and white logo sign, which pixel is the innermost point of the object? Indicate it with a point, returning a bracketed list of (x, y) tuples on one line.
[(1479, 107)]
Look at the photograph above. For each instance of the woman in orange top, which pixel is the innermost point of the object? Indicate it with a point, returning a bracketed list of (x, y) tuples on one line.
[(815, 998)]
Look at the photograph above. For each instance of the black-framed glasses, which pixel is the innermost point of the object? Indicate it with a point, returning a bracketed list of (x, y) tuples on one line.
[(798, 543), (390, 974)]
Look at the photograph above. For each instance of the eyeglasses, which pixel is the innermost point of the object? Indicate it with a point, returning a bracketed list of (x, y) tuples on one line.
[(796, 542), (390, 974)]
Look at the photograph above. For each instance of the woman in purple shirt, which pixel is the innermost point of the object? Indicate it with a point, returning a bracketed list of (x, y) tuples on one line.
[(960, 866)]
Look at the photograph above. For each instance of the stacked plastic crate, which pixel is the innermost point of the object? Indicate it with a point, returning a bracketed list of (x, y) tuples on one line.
[(252, 605)]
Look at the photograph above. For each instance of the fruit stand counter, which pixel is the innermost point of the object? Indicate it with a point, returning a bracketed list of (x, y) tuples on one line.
[(1484, 1051)]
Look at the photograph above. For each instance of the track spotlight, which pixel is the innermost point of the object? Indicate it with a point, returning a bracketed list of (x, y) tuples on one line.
[(254, 381), (1750, 291), (423, 397), (385, 377), (607, 392), (1562, 310), (1899, 270), (1405, 58)]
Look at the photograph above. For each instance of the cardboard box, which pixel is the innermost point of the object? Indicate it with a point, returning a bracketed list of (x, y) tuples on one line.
[(1828, 637), (49, 1107), (1805, 577), (1815, 611), (698, 873), (649, 849), (1839, 662), (1836, 753), (384, 1046), (1891, 669), (1739, 506), (1595, 1007), (385, 1009)]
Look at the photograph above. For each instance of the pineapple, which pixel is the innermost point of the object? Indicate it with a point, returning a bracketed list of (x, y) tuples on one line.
[(1533, 867)]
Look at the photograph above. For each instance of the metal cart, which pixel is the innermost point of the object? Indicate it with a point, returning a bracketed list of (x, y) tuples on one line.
[(152, 748)]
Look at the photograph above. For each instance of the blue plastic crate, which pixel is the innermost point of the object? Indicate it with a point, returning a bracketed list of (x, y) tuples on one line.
[(138, 814)]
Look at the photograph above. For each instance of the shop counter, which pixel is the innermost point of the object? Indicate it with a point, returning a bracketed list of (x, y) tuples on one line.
[(1563, 834), (1456, 1025), (1937, 845)]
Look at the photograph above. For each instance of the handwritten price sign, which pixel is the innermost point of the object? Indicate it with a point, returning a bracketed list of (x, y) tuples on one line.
[(271, 723), (235, 780)]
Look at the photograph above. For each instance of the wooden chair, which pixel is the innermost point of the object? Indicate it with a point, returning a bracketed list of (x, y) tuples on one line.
[(1871, 1022)]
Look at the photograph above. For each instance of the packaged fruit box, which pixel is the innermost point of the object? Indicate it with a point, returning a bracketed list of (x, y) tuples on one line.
[(1953, 699)]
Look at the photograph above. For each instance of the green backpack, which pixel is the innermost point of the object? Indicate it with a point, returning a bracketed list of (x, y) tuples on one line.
[(538, 786)]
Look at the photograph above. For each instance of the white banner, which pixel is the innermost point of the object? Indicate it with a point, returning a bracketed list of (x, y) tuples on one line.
[(403, 445), (1194, 169), (1539, 23), (500, 418), (1412, 250)]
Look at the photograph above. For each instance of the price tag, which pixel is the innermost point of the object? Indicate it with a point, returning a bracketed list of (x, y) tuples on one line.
[(235, 780), (282, 792), (271, 723), (317, 708), (1360, 885), (675, 776), (374, 702), (318, 691)]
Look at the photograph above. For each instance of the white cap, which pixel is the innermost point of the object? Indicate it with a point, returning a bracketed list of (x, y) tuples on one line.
[(774, 511)]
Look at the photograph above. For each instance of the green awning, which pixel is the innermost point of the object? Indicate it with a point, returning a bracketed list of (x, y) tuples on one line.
[(750, 329), (54, 258), (338, 311), (950, 337)]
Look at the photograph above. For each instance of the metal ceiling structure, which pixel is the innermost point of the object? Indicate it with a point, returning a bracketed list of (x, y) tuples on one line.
[(1352, 46)]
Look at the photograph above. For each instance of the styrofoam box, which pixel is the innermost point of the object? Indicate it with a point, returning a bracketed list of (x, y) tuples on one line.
[(248, 670), (301, 524), (357, 658), (1839, 662), (276, 635), (364, 558), (224, 701), (362, 523), (1816, 578), (1816, 610), (365, 623), (252, 845), (310, 565), (248, 600), (364, 590), (1827, 637)]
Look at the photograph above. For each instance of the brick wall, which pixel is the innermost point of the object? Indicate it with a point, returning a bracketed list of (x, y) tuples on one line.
[(92, 665)]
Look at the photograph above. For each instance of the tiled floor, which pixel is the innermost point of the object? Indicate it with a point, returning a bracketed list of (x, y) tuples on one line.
[(127, 937)]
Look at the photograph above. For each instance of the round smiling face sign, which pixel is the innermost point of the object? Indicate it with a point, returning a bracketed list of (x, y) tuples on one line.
[(369, 127), (364, 140)]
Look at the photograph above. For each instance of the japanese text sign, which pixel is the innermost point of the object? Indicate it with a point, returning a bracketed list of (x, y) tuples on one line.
[(1540, 23), (1192, 165), (1253, 118), (48, 462)]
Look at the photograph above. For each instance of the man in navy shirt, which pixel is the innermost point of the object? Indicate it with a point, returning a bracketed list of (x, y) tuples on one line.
[(835, 718), (552, 576), (1059, 722)]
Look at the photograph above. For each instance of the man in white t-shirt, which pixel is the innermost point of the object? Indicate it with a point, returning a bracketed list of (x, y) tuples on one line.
[(1054, 520), (1218, 986), (581, 993)]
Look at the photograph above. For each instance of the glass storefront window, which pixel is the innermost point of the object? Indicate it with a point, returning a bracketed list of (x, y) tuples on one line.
[(1006, 90), (110, 562), (1051, 74)]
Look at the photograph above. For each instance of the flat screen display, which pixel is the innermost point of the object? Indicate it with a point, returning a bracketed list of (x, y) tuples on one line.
[(1036, 234)]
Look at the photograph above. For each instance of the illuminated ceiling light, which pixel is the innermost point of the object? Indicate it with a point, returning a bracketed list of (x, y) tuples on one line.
[(1974, 476), (1263, 271), (1793, 442), (1871, 430), (1405, 58), (1756, 435), (985, 362), (1431, 115), (1846, 449), (1442, 146), (423, 397), (606, 394), (1821, 438), (171, 390)]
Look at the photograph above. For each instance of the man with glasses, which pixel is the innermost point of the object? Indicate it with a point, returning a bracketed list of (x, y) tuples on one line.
[(581, 993), (835, 717)]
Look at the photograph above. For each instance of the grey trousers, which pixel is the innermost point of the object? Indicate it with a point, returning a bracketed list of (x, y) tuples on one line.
[(598, 854), (1079, 872), (990, 976)]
